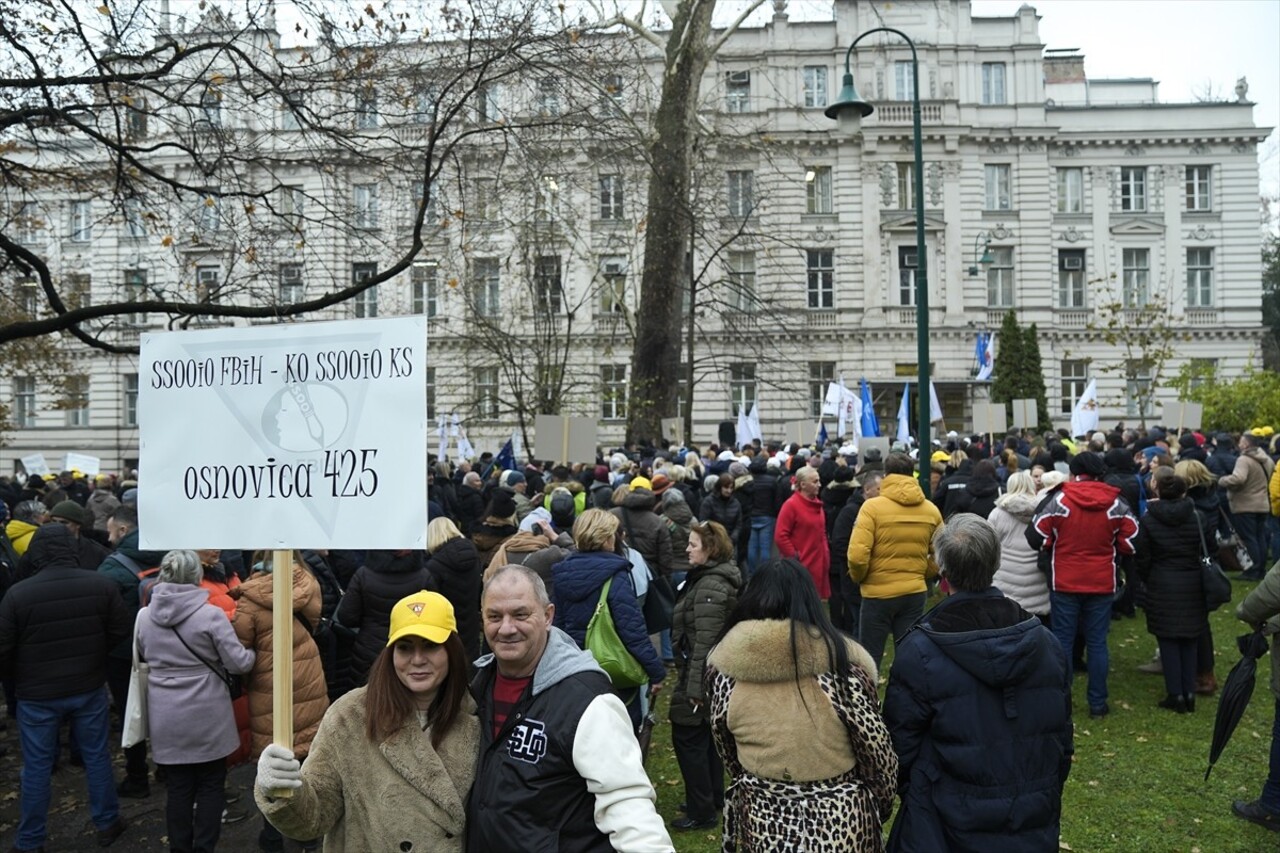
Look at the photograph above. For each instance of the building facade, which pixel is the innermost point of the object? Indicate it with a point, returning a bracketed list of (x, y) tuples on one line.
[(1126, 229)]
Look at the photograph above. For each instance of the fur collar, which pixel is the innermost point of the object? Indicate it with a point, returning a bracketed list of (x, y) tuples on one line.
[(759, 650), (409, 751), (1020, 505)]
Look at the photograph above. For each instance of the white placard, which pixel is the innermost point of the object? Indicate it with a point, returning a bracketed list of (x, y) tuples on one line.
[(990, 418), (82, 462), (565, 439), (35, 464), (673, 430), (1025, 413), (306, 435)]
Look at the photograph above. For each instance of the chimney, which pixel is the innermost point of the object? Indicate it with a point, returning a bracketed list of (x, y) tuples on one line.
[(1064, 65)]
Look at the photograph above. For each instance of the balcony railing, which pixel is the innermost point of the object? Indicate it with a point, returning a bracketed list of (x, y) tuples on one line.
[(1202, 316), (1073, 319), (900, 113)]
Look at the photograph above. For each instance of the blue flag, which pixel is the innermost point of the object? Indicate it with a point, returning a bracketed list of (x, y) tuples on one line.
[(506, 458), (822, 435), (870, 426)]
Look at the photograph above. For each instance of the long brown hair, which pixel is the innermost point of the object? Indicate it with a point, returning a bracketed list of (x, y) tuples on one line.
[(388, 703)]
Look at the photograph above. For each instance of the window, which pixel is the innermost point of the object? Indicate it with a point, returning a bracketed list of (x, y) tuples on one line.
[(742, 387), (291, 110), (292, 201), (993, 83), (821, 374), (365, 200), (81, 221), (820, 269), (742, 281), (904, 82), (737, 91), (487, 392), (292, 287), (1202, 371), (817, 181), (77, 401), (548, 96), (1071, 278), (613, 287), (24, 402), (1074, 379), (1136, 265), (1198, 187), (1071, 190), (611, 94), (1199, 278), (208, 283), (611, 197), (907, 265), (210, 109), (485, 288), (135, 119), (613, 392), (28, 224), (1138, 391), (129, 410), (366, 301), (425, 101), (1000, 279), (1133, 188), (547, 287), (431, 393), (546, 199), (79, 292), (999, 196), (424, 288), (815, 86), (28, 297), (489, 103), (906, 186), (741, 193), (367, 109), (135, 290), (482, 199), (206, 214), (134, 223)]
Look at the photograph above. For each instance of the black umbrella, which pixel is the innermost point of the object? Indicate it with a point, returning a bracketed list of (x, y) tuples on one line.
[(645, 735), (1236, 692)]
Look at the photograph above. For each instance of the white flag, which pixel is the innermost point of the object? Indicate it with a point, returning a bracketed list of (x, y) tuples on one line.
[(1084, 417), (904, 416), (744, 426), (849, 410), (935, 408), (454, 426), (986, 357), (443, 453), (517, 446), (465, 450), (753, 422)]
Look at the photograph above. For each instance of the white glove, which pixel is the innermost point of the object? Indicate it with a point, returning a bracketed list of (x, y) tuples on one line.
[(277, 768)]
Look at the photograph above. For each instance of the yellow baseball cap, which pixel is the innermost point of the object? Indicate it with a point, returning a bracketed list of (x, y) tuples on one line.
[(428, 615), (940, 456)]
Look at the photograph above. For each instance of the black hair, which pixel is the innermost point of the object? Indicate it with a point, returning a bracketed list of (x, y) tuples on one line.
[(784, 589)]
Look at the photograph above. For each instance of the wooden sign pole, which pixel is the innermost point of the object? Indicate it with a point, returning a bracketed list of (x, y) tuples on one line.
[(282, 654)]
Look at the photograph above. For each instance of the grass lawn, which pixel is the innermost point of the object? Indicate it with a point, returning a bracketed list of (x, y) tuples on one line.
[(1138, 779)]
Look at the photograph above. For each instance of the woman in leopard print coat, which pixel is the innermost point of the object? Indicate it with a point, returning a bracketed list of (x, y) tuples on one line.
[(796, 717)]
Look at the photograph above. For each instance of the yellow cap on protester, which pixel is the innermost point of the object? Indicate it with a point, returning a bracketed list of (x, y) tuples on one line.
[(428, 615)]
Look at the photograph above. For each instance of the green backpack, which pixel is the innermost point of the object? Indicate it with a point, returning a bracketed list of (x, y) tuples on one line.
[(608, 649)]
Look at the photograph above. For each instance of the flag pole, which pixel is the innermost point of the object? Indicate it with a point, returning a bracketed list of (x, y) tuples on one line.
[(282, 652)]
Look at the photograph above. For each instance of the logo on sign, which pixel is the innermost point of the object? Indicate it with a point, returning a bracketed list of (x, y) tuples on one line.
[(528, 741)]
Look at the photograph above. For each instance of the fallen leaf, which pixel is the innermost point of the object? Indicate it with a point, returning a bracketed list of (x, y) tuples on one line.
[(1141, 739)]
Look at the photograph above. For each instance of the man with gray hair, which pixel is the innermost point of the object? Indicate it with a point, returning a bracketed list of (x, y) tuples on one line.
[(979, 708), (559, 765)]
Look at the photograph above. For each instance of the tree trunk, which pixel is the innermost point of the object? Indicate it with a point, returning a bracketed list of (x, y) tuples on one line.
[(655, 359)]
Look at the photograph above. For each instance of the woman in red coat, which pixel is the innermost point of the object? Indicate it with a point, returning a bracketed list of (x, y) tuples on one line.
[(801, 533)]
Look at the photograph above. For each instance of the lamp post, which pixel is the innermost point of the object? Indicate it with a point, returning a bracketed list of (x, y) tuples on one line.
[(981, 263), (849, 109)]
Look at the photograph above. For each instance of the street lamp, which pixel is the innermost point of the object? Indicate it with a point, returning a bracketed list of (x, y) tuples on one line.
[(849, 109), (986, 260)]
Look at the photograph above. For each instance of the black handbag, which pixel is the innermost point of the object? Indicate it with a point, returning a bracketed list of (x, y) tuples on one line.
[(1214, 582), (660, 601)]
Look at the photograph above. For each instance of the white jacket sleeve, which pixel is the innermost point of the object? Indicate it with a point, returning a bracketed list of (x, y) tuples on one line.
[(607, 756)]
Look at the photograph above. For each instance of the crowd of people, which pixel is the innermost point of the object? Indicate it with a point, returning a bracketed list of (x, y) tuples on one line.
[(443, 699)]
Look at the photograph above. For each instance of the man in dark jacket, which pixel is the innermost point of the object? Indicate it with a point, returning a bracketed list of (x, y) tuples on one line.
[(762, 512), (469, 502), (89, 554), (846, 597), (979, 708), (1087, 528), (55, 630), (551, 731)]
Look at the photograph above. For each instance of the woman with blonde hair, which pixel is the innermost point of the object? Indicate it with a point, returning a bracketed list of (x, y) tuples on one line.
[(579, 580), (1202, 488), (1019, 577), (453, 570)]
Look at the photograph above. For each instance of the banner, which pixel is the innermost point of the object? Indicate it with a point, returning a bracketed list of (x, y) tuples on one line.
[(301, 435), (1084, 417)]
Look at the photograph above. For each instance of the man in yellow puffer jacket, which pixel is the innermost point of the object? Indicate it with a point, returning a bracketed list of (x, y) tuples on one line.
[(27, 518), (891, 555)]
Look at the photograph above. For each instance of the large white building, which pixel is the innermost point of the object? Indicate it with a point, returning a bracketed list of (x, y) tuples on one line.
[(1103, 211)]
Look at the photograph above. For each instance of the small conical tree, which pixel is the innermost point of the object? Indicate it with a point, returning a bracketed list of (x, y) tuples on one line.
[(1009, 360), (1032, 378)]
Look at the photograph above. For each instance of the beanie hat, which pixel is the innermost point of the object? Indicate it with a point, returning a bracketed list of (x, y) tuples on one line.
[(737, 469), (1187, 440), (501, 505), (1087, 464), (562, 508), (68, 511), (511, 479), (601, 474)]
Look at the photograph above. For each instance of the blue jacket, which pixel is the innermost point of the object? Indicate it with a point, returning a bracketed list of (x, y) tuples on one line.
[(979, 708), (576, 584)]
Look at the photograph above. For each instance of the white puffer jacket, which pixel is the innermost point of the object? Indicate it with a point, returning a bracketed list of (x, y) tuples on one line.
[(1018, 576)]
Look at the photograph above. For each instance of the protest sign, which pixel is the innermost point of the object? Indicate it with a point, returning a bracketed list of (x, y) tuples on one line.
[(35, 464), (82, 462), (1025, 413), (307, 435), (673, 430), (565, 440), (990, 418)]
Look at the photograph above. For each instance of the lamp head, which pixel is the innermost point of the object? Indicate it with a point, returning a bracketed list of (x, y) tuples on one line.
[(849, 108), (986, 260)]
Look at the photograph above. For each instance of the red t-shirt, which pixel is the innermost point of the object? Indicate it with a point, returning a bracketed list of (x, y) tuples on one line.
[(506, 693)]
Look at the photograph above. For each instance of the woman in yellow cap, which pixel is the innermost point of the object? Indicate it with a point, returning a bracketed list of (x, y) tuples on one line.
[(393, 761)]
